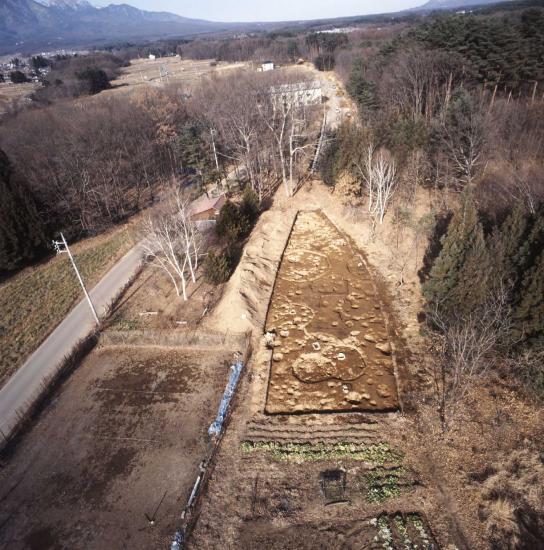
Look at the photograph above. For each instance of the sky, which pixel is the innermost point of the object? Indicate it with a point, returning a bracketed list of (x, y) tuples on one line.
[(267, 10)]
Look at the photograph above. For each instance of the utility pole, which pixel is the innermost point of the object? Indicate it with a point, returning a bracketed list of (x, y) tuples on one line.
[(62, 246)]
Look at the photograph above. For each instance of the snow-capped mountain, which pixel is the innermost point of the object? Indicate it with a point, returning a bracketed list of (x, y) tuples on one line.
[(66, 4)]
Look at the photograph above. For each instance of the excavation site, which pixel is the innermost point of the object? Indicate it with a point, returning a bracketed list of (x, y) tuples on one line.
[(331, 348)]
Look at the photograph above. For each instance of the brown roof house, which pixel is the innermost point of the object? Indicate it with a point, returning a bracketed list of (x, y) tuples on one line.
[(205, 210)]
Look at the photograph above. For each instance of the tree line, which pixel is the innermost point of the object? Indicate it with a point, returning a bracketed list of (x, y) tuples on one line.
[(429, 120), (88, 163)]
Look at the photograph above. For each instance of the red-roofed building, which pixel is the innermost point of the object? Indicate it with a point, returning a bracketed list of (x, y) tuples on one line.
[(207, 208)]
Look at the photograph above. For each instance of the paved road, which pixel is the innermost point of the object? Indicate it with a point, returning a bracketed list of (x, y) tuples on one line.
[(24, 385)]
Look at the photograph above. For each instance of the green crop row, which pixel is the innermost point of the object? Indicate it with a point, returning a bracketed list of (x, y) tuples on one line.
[(379, 453)]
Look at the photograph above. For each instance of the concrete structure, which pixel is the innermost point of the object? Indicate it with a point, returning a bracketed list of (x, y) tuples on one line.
[(302, 93)]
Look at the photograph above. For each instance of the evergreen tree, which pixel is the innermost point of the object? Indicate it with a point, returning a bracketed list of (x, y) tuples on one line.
[(96, 80), (249, 207), (456, 267), (504, 245), (22, 236), (529, 313), (231, 224), (473, 288), (531, 245), (217, 268), (18, 77), (360, 88)]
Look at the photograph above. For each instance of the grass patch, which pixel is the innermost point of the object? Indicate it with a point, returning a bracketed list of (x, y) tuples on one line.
[(36, 300), (127, 324), (379, 453)]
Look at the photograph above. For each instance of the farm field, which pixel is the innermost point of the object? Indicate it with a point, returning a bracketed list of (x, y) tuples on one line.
[(34, 301), (167, 70), (14, 92), (119, 446), (332, 350), (385, 531)]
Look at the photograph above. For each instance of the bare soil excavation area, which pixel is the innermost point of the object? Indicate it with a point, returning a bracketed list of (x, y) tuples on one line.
[(332, 350), (119, 445)]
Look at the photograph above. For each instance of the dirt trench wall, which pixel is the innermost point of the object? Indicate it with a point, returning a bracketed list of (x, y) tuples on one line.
[(245, 300)]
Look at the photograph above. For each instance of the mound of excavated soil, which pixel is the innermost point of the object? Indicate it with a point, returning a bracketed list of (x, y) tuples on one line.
[(245, 299)]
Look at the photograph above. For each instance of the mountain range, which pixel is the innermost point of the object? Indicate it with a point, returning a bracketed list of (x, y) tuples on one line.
[(50, 24), (33, 25)]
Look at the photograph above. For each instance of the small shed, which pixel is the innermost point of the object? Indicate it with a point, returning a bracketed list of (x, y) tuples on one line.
[(207, 208), (267, 66)]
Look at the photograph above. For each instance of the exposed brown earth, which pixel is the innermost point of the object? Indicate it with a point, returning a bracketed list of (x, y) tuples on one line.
[(332, 350), (152, 303), (258, 497), (280, 502), (119, 445)]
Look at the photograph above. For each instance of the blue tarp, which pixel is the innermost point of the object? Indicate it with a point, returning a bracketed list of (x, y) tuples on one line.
[(177, 543), (217, 426)]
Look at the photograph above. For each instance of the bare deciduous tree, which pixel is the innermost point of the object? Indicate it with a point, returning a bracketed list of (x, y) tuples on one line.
[(379, 176), (465, 151), (172, 243), (463, 350)]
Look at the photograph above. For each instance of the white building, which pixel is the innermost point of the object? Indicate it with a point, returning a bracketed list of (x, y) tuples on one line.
[(267, 66), (302, 93)]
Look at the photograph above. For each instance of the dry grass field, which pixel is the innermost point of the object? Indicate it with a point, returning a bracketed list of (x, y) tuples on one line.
[(167, 70), (14, 92), (34, 301), (151, 303)]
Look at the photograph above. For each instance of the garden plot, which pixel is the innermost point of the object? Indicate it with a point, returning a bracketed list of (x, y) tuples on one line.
[(331, 348), (387, 531)]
